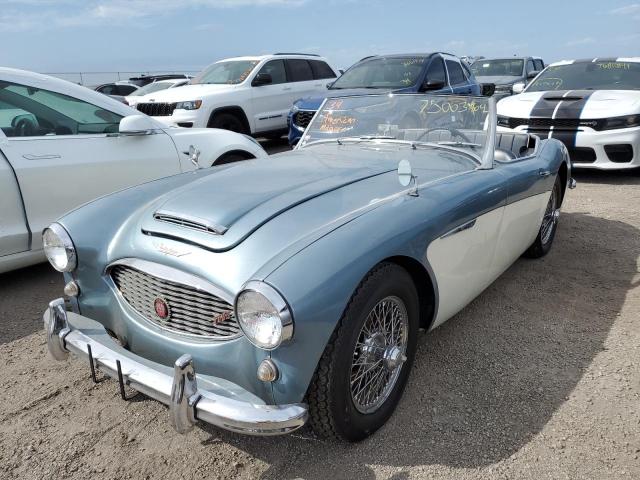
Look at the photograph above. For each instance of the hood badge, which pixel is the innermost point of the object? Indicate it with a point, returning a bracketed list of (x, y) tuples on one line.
[(167, 250), (161, 308)]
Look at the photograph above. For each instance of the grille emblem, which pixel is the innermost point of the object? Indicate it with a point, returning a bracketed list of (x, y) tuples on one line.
[(223, 317), (162, 308)]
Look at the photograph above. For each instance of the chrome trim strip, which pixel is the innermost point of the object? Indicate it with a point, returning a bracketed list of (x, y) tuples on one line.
[(186, 402), (461, 228), (488, 156)]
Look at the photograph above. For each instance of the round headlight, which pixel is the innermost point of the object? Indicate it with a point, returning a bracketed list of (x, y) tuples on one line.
[(263, 315), (59, 248)]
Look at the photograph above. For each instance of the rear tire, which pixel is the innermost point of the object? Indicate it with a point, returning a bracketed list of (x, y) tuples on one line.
[(549, 226), (227, 121), (363, 349)]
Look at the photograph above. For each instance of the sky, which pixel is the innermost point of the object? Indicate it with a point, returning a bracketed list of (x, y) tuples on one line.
[(145, 35)]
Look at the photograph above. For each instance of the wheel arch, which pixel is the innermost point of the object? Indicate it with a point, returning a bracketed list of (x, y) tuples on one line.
[(236, 110), (425, 287), (241, 153), (563, 172)]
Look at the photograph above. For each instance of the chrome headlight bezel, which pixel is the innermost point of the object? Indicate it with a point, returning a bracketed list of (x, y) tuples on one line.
[(280, 308), (56, 237)]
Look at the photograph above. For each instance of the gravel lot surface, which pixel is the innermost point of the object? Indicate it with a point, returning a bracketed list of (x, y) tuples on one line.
[(538, 378)]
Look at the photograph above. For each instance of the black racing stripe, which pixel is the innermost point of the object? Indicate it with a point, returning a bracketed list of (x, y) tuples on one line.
[(571, 109), (547, 103)]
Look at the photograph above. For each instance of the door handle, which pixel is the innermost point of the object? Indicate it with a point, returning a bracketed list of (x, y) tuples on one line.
[(46, 156), (544, 173)]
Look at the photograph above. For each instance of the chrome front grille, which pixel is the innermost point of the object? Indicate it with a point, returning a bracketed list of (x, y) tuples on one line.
[(190, 310), (158, 109), (302, 118)]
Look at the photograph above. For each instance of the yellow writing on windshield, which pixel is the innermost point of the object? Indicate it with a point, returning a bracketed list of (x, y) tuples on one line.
[(614, 66), (453, 106)]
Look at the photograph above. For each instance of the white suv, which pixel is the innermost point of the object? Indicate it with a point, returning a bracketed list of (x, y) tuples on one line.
[(251, 95)]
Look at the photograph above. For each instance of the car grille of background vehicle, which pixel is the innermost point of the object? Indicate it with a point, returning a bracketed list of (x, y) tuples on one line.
[(190, 310), (156, 109), (303, 118)]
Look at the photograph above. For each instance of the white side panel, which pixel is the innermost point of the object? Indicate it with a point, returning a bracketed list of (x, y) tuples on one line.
[(520, 225), (462, 263), (14, 236)]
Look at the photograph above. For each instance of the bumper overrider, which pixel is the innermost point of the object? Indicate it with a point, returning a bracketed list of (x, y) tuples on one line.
[(179, 389)]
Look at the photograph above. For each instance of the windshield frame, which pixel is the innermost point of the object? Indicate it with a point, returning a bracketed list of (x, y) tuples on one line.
[(485, 162)]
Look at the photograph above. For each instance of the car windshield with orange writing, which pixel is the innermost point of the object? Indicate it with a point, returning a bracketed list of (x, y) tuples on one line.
[(413, 120)]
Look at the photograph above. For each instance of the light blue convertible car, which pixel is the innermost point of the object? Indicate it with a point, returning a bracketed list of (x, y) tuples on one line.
[(261, 294)]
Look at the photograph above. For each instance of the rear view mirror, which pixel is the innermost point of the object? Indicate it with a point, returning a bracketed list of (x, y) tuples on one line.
[(517, 88), (136, 125), (432, 85), (262, 79)]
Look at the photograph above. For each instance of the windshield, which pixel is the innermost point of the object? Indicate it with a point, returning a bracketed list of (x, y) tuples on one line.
[(152, 87), (509, 67), (588, 76), (230, 72), (430, 121), (389, 73)]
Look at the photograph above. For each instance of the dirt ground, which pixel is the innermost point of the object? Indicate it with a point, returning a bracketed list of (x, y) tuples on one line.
[(538, 378)]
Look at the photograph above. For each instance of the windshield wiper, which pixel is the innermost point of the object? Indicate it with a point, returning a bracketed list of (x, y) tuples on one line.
[(364, 138), (452, 143)]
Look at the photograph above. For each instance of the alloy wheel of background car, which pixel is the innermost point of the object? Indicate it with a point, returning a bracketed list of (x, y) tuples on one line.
[(379, 354), (549, 226), (335, 408)]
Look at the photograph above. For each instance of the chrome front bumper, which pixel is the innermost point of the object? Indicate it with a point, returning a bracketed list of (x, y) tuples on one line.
[(179, 389)]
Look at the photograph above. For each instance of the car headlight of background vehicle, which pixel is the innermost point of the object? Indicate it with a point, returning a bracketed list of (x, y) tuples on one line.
[(59, 248), (613, 123), (504, 121), (263, 315), (189, 105)]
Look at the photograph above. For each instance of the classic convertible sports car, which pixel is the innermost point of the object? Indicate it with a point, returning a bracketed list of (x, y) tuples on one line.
[(302, 298)]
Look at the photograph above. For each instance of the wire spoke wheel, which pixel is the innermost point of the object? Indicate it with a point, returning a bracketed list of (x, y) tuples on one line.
[(380, 351), (550, 218)]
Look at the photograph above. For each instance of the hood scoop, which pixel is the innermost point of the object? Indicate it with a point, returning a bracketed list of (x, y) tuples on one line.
[(188, 221)]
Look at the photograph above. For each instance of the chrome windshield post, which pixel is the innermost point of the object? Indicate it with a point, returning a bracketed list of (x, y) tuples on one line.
[(489, 150)]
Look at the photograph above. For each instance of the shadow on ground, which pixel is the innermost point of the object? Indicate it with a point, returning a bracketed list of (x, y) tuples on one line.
[(488, 381), (24, 296), (608, 177)]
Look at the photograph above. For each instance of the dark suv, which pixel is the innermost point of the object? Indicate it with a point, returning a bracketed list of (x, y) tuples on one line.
[(507, 73), (404, 73)]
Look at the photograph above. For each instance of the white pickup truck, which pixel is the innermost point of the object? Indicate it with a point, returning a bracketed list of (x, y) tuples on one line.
[(62, 145)]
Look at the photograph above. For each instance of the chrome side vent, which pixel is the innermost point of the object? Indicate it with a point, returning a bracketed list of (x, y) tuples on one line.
[(186, 221)]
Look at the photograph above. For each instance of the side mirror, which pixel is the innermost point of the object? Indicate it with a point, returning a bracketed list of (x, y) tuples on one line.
[(406, 177), (488, 89), (517, 88), (432, 85), (262, 79), (533, 74), (136, 125)]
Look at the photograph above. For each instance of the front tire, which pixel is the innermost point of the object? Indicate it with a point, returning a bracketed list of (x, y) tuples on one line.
[(227, 121), (549, 226), (365, 366)]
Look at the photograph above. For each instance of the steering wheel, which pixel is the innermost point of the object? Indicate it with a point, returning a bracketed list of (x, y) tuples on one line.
[(453, 131), (24, 128)]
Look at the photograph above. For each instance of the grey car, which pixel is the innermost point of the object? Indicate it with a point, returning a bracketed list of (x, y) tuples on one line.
[(259, 295), (509, 75)]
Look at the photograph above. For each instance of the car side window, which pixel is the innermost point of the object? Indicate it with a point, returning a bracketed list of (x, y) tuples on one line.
[(276, 69), (530, 66), (299, 70), (30, 112), (321, 70), (436, 71), (539, 65), (125, 90), (456, 75)]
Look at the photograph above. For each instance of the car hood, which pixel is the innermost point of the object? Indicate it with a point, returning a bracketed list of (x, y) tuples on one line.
[(221, 210), (498, 80), (185, 93), (313, 103), (588, 104)]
